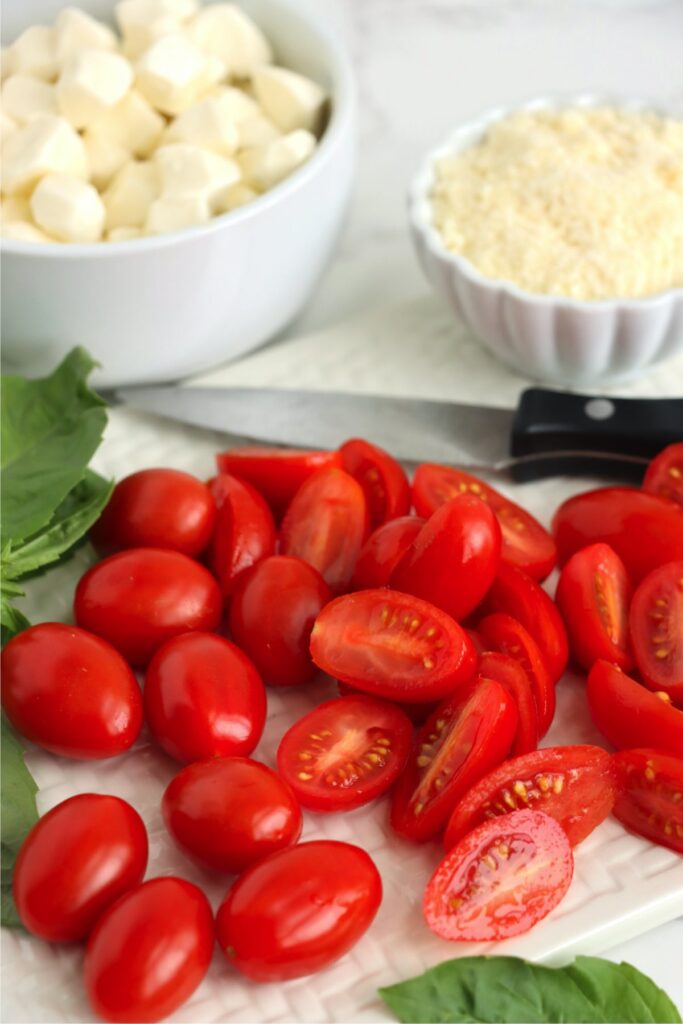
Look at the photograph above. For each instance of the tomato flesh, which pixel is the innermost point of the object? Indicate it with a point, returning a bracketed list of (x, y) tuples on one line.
[(277, 473), (500, 632), (650, 795), (664, 476), (244, 532), (500, 880), (382, 478), (656, 620), (392, 645), (510, 674), (629, 715), (383, 550), (572, 784)]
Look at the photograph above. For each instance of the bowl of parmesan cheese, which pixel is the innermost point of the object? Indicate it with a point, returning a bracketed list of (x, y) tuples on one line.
[(555, 231)]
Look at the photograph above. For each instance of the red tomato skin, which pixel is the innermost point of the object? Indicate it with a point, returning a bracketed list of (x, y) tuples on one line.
[(650, 795), (383, 550), (149, 951), (510, 674), (277, 473), (454, 559), (501, 632), (229, 812), (664, 476), (271, 617), (658, 640), (244, 532), (628, 714), (140, 598), (644, 530), (157, 508), (70, 692), (204, 698), (530, 838), (334, 887), (335, 646), (382, 478), (75, 862), (417, 713), (593, 595), (573, 784)]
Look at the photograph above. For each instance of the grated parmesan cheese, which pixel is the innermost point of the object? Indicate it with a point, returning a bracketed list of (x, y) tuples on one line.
[(586, 203)]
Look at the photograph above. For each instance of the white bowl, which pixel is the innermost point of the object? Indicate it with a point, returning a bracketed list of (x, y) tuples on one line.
[(164, 307), (547, 337)]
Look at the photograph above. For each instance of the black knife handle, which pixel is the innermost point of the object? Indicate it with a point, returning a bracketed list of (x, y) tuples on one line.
[(579, 433)]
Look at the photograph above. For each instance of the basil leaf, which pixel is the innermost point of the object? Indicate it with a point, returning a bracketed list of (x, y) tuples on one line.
[(13, 621), (19, 813), (503, 988)]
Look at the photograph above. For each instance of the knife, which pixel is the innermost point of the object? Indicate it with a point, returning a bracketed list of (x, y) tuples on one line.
[(548, 434)]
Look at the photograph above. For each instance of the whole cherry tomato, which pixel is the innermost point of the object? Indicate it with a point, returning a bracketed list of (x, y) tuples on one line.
[(76, 861), (299, 910), (664, 475), (70, 692), (139, 598), (149, 951), (277, 473), (656, 621), (454, 558), (230, 812), (204, 698), (510, 674), (650, 795), (386, 486), (500, 632), (271, 617), (244, 532), (157, 508), (629, 715), (383, 550)]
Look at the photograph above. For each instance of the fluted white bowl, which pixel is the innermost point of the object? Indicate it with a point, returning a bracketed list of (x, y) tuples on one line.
[(546, 337)]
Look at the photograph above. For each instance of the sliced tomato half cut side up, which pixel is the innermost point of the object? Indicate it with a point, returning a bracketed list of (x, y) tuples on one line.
[(382, 478), (656, 620), (244, 532), (664, 475), (383, 550), (277, 473), (510, 674), (630, 715), (650, 795)]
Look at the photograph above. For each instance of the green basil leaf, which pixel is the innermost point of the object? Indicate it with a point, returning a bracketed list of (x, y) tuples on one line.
[(19, 813), (502, 988), (13, 621)]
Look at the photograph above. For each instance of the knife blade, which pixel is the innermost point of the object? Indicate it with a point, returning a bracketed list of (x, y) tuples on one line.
[(549, 433)]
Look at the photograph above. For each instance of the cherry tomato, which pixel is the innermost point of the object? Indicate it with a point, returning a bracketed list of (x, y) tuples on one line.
[(277, 473), (299, 910), (454, 558), (526, 543), (644, 530), (139, 598), (157, 508), (383, 550), (204, 698), (650, 795), (516, 593), (573, 784), (500, 880), (325, 525), (656, 621), (271, 617), (628, 714), (664, 475), (345, 752), (149, 951), (593, 595), (382, 478), (70, 692), (229, 812), (465, 737), (80, 857), (244, 531), (392, 645), (500, 632), (510, 674)]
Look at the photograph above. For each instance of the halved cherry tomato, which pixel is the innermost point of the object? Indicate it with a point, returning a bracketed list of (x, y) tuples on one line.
[(593, 595), (326, 524), (526, 543), (465, 737), (500, 880), (664, 475), (271, 617), (650, 795), (204, 698), (277, 473), (345, 752), (644, 530), (500, 632), (516, 593), (573, 784), (382, 478), (230, 812), (510, 674), (454, 558), (392, 645), (656, 621), (383, 550), (244, 532), (299, 910), (157, 508), (417, 713), (629, 715)]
